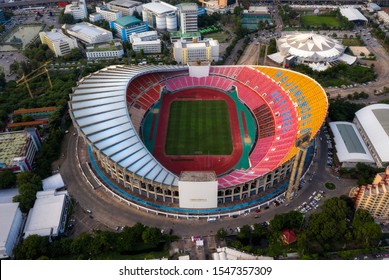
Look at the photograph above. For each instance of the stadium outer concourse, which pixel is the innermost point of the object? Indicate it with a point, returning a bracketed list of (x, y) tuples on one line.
[(109, 108)]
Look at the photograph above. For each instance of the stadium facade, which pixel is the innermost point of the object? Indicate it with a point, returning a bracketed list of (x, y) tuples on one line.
[(108, 109)]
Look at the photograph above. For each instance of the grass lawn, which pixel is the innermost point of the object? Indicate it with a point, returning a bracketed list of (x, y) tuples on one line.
[(352, 42), (220, 36), (198, 127), (313, 20)]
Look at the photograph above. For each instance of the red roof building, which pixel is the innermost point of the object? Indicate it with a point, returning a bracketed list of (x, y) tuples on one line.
[(288, 236)]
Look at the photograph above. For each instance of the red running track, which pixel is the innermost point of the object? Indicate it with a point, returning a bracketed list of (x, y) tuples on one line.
[(217, 163)]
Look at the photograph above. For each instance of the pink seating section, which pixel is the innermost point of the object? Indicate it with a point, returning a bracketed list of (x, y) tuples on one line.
[(272, 107), (179, 83)]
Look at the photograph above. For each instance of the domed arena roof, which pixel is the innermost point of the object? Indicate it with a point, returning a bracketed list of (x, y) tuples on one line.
[(310, 47)]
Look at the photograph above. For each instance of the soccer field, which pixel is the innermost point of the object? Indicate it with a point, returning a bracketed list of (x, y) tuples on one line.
[(198, 127), (314, 20)]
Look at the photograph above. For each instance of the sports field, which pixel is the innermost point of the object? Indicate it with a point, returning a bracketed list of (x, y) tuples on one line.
[(314, 20), (198, 127)]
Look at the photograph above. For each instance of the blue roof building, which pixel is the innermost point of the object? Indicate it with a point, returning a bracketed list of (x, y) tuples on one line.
[(127, 25)]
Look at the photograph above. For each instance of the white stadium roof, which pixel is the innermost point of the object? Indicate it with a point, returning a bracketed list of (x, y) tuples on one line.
[(349, 144), (45, 217), (311, 46), (374, 120), (352, 14), (101, 113)]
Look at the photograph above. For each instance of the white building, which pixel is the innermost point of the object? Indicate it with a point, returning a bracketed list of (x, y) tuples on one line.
[(58, 42), (53, 182), (108, 14), (144, 36), (109, 50), (127, 7), (160, 15), (18, 149), (373, 124), (316, 50), (207, 50), (95, 17), (382, 15), (147, 46), (353, 14), (77, 9), (187, 14), (11, 221), (350, 147), (48, 216), (88, 33)]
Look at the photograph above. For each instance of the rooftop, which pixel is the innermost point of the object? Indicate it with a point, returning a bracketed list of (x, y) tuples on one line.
[(198, 176), (374, 120), (127, 20), (109, 46), (12, 145), (349, 144), (125, 3), (7, 215), (53, 182), (45, 217), (56, 35), (159, 7), (352, 14), (86, 29)]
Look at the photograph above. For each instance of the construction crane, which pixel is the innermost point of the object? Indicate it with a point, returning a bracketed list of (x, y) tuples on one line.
[(25, 78)]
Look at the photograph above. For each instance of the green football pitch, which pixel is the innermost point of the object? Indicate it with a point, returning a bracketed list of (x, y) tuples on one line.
[(198, 127)]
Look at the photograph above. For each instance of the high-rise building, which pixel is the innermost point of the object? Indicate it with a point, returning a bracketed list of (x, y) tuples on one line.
[(58, 42), (374, 197), (77, 9), (187, 14)]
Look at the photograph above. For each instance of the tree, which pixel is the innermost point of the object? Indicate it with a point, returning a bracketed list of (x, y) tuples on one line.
[(7, 179), (151, 235), (366, 230), (32, 248), (221, 234), (28, 184)]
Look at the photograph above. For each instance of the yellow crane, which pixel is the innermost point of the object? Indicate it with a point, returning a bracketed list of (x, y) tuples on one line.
[(25, 78)]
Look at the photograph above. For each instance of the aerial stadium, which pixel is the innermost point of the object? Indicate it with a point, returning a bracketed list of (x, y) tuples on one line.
[(198, 138)]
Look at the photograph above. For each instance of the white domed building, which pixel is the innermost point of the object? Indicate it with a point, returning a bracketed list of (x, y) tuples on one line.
[(318, 51)]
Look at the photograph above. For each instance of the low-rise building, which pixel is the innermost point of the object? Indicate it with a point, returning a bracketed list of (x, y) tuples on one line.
[(144, 36), (374, 197), (108, 14), (18, 149), (147, 46), (11, 221), (382, 15), (88, 33), (95, 17), (127, 7), (109, 50), (77, 9), (58, 42), (146, 41), (207, 50), (48, 216), (127, 25)]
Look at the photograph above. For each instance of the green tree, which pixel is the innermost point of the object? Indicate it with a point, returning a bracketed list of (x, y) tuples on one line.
[(366, 230), (221, 234), (32, 248), (7, 179), (151, 235)]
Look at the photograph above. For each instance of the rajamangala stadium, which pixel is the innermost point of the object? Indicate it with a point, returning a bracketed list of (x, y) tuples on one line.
[(198, 139)]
